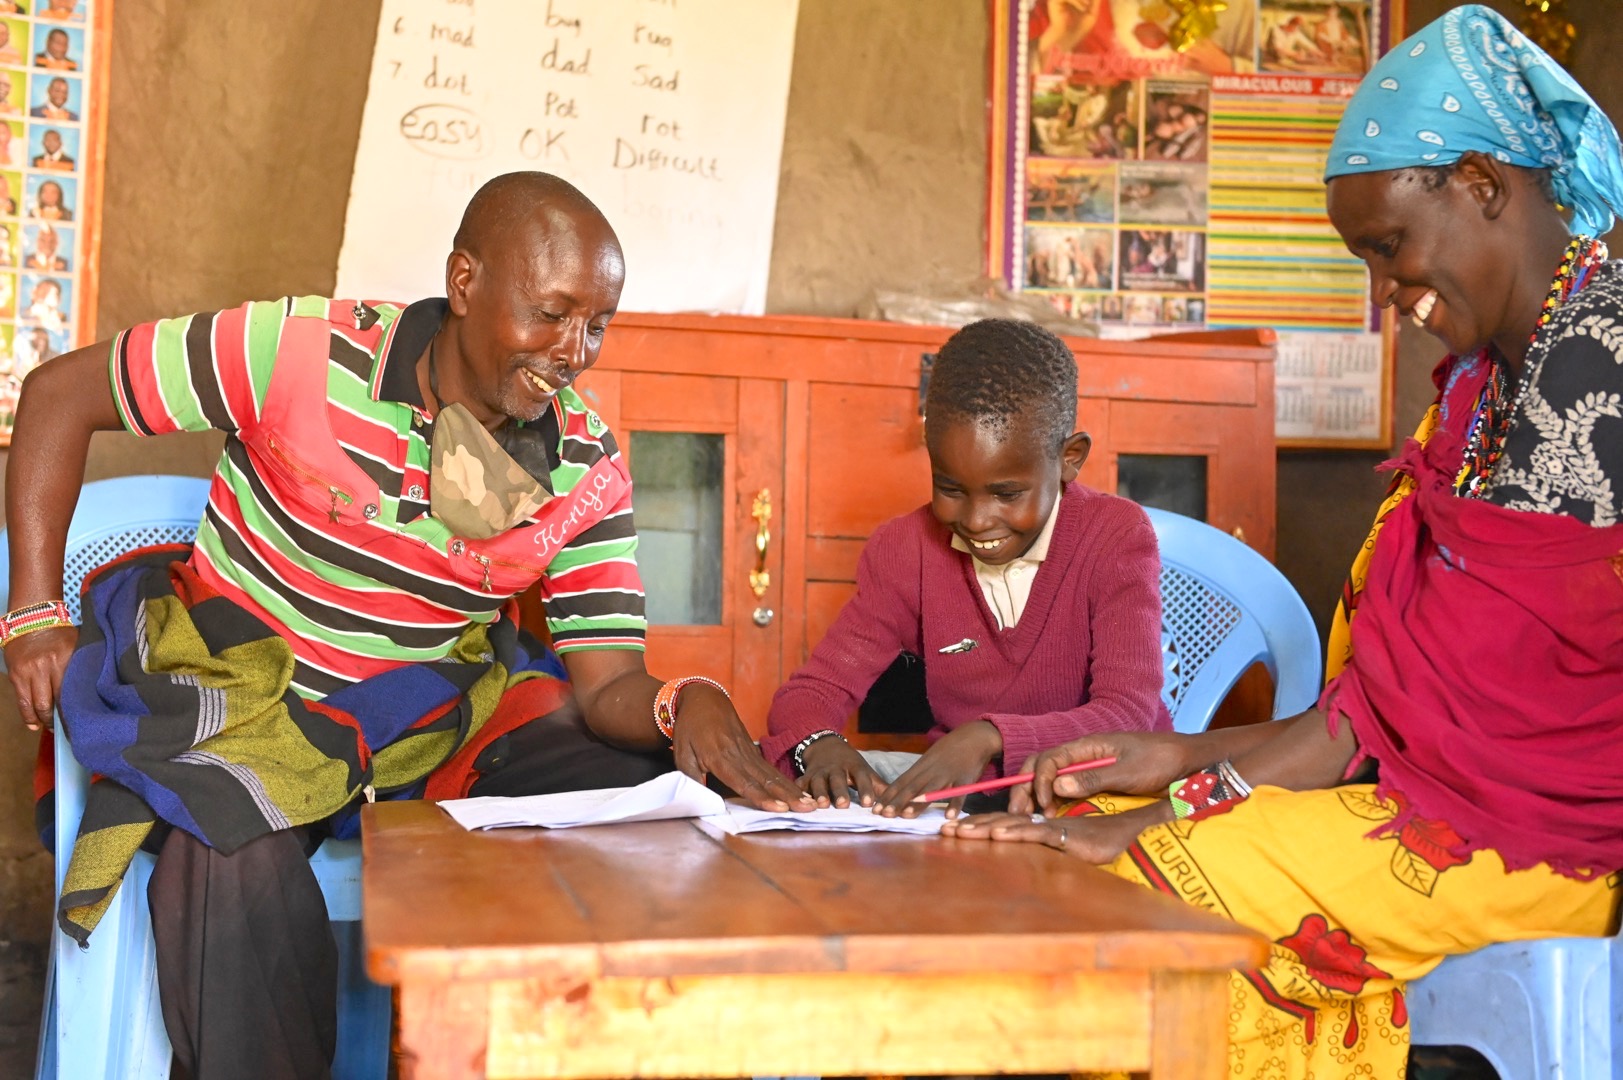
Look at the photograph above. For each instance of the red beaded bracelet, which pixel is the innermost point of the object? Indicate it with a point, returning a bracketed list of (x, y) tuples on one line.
[(25, 620), (665, 701)]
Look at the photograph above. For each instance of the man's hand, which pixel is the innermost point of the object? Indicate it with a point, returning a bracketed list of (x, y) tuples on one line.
[(616, 695), (1094, 838), (35, 663), (958, 758), (833, 768), (710, 739), (1146, 763)]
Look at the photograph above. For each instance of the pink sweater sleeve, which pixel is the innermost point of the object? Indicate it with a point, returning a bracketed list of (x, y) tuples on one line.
[(1124, 660), (872, 629)]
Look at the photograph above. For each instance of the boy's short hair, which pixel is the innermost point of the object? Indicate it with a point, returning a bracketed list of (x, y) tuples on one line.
[(1000, 372)]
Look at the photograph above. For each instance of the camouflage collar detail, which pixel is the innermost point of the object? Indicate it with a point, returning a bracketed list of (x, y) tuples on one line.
[(475, 487)]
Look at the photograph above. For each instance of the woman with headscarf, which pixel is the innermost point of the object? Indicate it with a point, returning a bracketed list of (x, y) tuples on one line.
[(1461, 782)]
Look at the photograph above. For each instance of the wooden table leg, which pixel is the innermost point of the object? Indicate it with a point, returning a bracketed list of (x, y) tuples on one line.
[(443, 1031), (1189, 1025)]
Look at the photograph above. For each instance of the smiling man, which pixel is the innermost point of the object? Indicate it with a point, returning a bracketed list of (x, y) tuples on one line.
[(344, 626)]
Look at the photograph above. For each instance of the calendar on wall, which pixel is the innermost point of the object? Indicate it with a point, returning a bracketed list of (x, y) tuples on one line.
[(1157, 167), (53, 122)]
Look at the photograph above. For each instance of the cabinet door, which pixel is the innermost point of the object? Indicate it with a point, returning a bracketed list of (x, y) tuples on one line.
[(706, 460)]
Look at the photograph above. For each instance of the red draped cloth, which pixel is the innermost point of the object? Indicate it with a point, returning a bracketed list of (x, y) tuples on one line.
[(1487, 669)]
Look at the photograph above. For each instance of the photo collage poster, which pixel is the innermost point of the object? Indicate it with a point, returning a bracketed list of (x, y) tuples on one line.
[(1148, 190), (47, 149)]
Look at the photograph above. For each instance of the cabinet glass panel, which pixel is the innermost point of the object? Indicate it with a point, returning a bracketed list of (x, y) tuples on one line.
[(679, 481), (1175, 482)]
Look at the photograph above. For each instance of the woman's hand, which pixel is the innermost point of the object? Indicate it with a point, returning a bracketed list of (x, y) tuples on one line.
[(1093, 838), (35, 663), (1146, 763), (833, 768), (959, 757), (710, 739)]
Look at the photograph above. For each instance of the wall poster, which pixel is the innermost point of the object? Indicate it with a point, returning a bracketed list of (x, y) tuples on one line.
[(53, 124), (1152, 190)]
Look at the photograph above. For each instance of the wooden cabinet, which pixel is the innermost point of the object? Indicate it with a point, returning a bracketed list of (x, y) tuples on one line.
[(822, 417)]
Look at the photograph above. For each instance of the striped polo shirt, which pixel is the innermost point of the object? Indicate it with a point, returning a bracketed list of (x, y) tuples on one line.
[(391, 586)]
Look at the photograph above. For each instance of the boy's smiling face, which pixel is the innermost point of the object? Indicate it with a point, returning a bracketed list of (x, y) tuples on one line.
[(994, 485)]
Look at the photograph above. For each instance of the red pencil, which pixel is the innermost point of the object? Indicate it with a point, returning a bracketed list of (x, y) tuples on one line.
[(1007, 781)]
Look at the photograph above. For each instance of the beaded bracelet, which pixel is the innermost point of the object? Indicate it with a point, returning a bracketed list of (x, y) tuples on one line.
[(1209, 787), (665, 701), (25, 620), (798, 757)]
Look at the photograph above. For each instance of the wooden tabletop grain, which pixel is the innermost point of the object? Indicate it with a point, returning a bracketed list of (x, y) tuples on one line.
[(666, 899)]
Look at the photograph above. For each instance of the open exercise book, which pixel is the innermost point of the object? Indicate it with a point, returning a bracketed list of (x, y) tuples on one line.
[(672, 795)]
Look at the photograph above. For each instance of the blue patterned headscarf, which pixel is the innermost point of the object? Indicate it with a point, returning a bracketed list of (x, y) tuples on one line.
[(1471, 81)]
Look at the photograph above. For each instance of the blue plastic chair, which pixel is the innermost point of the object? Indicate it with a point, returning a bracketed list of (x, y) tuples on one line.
[(101, 1019), (1223, 609), (1532, 1008)]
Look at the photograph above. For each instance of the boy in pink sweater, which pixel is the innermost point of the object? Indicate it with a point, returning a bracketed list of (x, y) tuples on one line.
[(1034, 601)]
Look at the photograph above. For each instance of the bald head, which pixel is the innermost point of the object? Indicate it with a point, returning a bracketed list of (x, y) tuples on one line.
[(532, 283), (499, 212)]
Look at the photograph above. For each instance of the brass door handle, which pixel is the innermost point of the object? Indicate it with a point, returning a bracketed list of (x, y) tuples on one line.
[(760, 577)]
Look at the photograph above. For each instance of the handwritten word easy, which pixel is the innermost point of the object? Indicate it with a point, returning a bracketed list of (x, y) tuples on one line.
[(446, 131)]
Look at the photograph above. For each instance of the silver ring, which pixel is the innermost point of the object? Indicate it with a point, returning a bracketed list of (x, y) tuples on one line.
[(1062, 838)]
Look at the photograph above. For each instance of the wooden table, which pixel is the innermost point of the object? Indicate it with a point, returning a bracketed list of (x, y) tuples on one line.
[(655, 950)]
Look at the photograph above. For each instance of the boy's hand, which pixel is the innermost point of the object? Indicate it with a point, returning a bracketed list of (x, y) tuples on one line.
[(958, 758), (833, 768), (1095, 838), (1146, 763)]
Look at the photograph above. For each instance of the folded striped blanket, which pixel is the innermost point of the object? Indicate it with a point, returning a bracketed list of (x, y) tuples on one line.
[(178, 703)]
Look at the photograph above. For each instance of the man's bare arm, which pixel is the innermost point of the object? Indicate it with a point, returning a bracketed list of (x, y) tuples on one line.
[(64, 401)]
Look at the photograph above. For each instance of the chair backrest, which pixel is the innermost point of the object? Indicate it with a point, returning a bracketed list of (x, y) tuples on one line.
[(128, 512), (1224, 608), (112, 517)]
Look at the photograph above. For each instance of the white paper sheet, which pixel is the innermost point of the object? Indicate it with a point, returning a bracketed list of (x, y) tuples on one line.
[(672, 795), (854, 819)]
